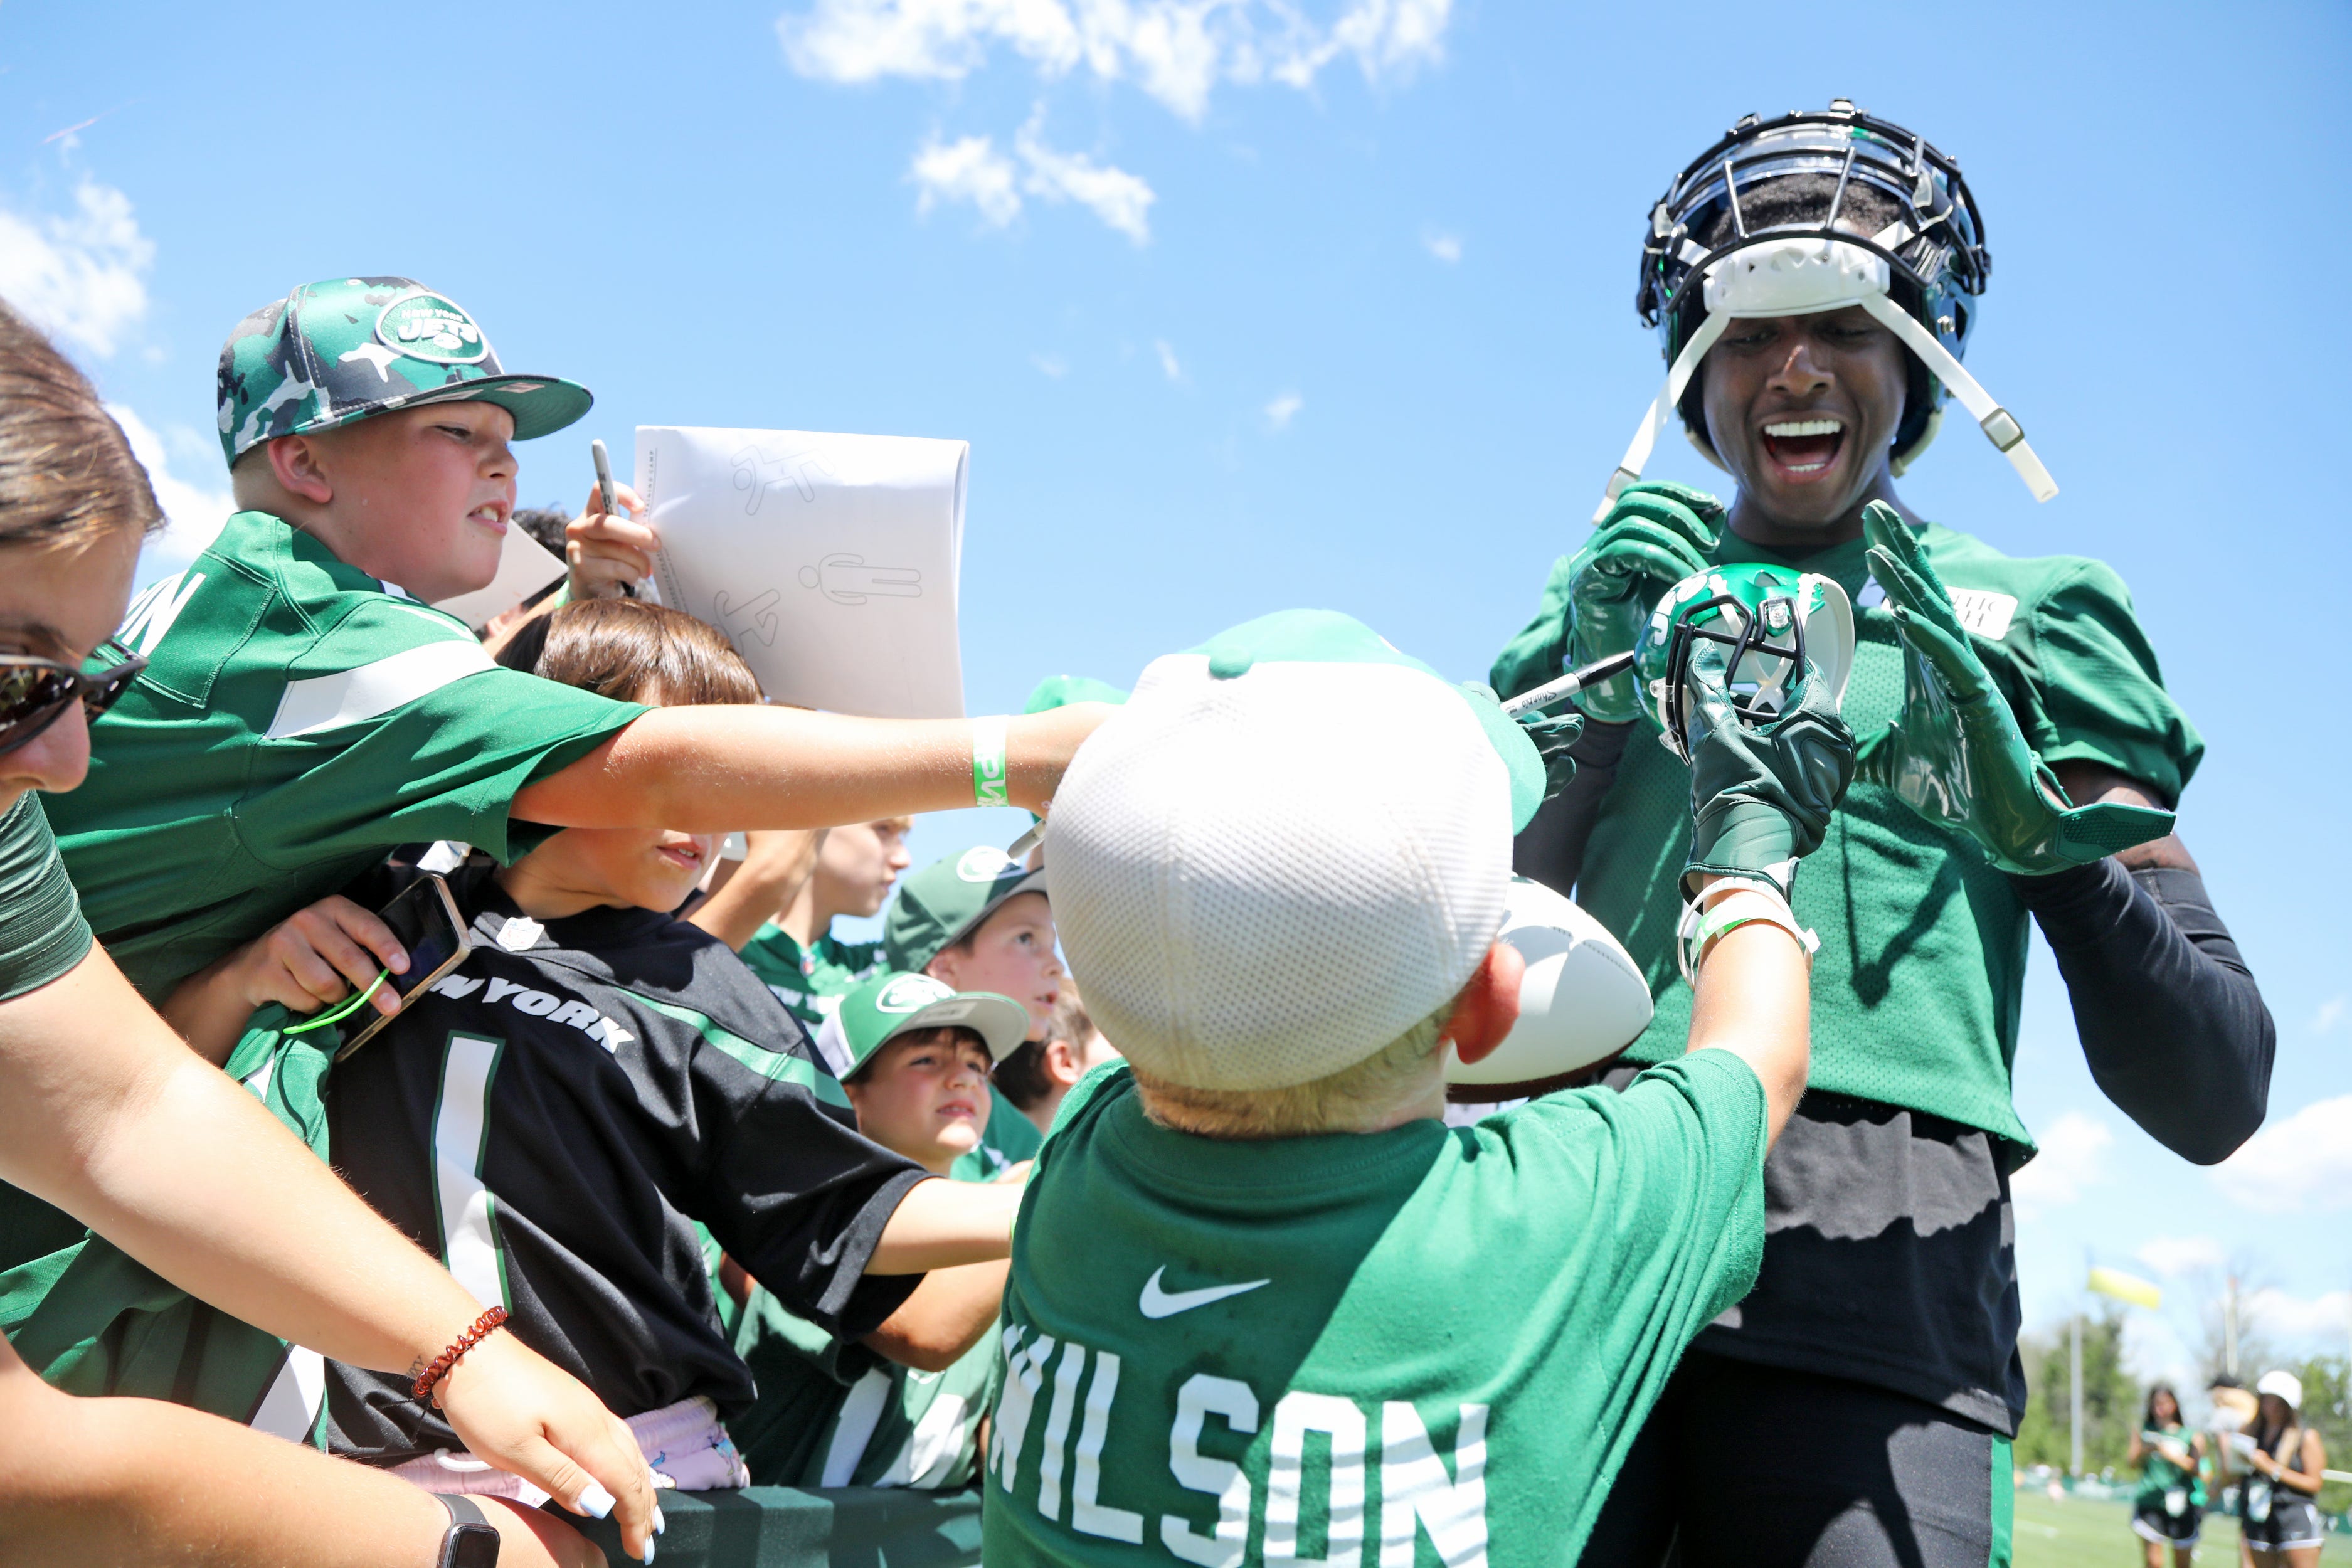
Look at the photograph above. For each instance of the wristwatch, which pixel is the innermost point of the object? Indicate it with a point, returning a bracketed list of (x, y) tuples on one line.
[(471, 1542)]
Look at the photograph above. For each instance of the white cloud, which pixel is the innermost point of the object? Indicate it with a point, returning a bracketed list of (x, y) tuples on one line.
[(1178, 51), (1446, 248), (2073, 1156), (1051, 365), (2304, 1161), (2296, 1318), (970, 169), (2173, 1256), (1121, 199), (2329, 1013), (79, 275), (1168, 366), (1282, 410), (196, 514)]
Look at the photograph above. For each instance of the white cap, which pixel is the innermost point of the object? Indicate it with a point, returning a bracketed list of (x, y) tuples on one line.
[(1286, 850), (2285, 1385)]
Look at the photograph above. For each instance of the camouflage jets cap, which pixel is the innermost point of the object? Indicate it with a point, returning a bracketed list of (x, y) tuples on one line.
[(342, 350)]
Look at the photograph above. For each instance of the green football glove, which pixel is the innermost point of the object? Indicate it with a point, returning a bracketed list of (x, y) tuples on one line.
[(1957, 755), (1761, 794), (1654, 536)]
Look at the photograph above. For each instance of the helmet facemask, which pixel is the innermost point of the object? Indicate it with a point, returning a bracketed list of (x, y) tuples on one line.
[(1916, 275)]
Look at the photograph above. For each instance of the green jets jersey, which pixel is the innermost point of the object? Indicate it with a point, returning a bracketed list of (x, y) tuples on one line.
[(2159, 1475), (1422, 1346), (810, 981), (833, 1413), (1919, 980), (295, 720)]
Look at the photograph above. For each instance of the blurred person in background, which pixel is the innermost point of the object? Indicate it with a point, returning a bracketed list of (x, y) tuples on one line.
[(2168, 1511), (778, 905), (2281, 1461), (1039, 1076)]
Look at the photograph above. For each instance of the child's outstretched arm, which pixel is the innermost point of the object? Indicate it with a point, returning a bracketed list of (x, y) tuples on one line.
[(718, 768), (945, 1316), (941, 1224), (1761, 796)]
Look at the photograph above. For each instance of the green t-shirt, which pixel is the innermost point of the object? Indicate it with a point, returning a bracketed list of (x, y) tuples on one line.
[(1431, 1344), (810, 981), (294, 721), (42, 932), (1919, 980)]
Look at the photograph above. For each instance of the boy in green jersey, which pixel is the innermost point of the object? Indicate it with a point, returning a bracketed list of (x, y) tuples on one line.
[(979, 922), (913, 1057), (806, 881), (2016, 734), (301, 711), (1263, 1304)]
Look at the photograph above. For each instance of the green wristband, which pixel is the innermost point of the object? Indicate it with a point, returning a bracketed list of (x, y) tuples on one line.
[(988, 781)]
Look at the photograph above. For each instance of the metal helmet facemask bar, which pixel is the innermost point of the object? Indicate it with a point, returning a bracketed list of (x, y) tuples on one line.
[(1933, 257)]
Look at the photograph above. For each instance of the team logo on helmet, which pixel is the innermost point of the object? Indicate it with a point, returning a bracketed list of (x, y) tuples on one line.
[(911, 993), (1763, 631), (426, 326)]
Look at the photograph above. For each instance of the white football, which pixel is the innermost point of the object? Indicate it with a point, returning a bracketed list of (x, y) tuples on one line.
[(1584, 999)]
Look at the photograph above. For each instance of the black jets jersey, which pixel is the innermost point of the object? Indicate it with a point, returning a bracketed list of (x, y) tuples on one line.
[(553, 1117)]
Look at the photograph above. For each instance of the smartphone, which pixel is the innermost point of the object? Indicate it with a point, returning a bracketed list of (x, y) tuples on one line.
[(425, 918)]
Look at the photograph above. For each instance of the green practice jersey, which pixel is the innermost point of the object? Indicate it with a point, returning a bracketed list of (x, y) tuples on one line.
[(2159, 1475), (834, 1414), (295, 720), (1422, 1346), (810, 981), (1919, 980)]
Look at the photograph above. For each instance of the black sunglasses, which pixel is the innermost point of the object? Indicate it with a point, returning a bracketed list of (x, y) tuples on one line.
[(35, 691)]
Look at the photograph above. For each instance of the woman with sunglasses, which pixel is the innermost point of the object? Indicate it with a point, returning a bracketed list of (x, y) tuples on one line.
[(107, 1114)]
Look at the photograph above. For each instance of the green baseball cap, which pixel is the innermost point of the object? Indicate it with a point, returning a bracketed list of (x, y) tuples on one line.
[(942, 903), (342, 350), (891, 1004)]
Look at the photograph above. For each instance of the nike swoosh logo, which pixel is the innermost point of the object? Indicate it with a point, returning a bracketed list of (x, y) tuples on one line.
[(1159, 1303)]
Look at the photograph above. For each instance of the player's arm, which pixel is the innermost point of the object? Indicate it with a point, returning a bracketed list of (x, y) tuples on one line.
[(717, 768), (2172, 1022), (105, 1113), (750, 892), (945, 1316), (105, 1481)]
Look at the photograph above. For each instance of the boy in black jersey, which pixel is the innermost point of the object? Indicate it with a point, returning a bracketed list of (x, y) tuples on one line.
[(554, 1115)]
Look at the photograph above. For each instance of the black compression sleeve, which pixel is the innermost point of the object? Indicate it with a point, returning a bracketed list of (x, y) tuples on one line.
[(2170, 1019), (1550, 849)]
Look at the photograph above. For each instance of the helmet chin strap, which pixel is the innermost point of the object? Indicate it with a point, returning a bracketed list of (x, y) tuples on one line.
[(1800, 276)]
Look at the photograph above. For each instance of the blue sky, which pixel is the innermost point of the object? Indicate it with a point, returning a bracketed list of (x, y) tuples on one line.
[(1244, 308)]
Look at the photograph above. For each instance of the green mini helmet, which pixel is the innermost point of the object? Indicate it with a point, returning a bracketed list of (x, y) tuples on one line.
[(1775, 622)]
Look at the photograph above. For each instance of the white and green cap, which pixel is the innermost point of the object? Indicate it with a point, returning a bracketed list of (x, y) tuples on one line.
[(891, 1004), (1291, 846)]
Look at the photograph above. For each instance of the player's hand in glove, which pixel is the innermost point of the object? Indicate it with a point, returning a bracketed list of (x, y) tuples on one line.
[(1553, 734), (1957, 755), (1655, 535), (1761, 795)]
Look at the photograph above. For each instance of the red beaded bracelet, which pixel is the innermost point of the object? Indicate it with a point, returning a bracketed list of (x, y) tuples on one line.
[(432, 1376)]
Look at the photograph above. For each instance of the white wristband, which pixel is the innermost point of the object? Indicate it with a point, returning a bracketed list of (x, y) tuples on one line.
[(988, 780), (1741, 904)]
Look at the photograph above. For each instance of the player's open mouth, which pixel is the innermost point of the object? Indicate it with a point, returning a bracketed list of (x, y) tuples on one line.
[(1804, 449), (492, 517)]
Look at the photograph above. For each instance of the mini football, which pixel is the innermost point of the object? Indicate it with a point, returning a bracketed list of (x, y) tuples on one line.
[(1582, 1002)]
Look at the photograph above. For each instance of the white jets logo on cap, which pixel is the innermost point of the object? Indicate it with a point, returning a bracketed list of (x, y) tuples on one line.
[(1159, 1303), (911, 993), (983, 863)]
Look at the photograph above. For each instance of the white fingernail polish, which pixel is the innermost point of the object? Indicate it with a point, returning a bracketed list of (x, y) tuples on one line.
[(660, 1523), (648, 1558), (596, 1501)]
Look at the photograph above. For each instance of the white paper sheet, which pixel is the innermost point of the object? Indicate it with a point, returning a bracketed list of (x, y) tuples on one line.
[(525, 566), (831, 562)]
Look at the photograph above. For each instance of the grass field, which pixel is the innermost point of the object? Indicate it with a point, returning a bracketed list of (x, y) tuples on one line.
[(2083, 1532)]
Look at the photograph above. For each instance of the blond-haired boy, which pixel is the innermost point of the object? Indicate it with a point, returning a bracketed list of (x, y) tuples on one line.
[(1263, 1304)]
